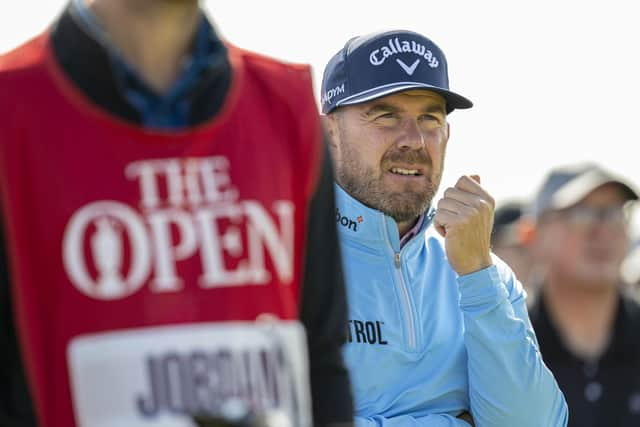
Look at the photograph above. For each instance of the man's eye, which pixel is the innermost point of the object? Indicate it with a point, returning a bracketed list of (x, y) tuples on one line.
[(431, 121), (430, 118), (386, 116)]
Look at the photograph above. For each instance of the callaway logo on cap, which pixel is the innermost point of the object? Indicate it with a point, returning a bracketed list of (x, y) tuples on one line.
[(382, 63)]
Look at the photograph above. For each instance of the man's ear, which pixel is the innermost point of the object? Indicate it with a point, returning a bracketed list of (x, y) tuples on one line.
[(330, 125)]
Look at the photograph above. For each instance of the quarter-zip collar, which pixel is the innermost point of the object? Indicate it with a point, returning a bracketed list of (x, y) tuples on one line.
[(372, 228)]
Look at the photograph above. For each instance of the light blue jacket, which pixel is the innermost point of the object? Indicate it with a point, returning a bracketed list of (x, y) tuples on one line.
[(426, 344)]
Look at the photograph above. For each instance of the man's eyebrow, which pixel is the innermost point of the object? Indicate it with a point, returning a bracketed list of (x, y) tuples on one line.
[(435, 108), (388, 108), (381, 108)]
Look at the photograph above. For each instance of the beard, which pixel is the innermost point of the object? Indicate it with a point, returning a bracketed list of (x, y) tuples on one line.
[(366, 184)]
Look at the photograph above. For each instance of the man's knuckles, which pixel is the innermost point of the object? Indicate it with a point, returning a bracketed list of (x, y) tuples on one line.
[(471, 205)]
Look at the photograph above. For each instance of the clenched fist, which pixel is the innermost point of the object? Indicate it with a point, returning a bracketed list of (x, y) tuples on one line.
[(464, 217)]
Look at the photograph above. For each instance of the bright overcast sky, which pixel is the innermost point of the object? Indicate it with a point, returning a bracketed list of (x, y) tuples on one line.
[(553, 82)]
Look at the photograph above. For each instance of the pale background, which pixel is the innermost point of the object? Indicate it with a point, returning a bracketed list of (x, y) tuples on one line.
[(553, 81)]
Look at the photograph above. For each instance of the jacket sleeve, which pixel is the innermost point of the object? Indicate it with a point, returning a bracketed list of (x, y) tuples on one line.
[(323, 309), (433, 420), (509, 384)]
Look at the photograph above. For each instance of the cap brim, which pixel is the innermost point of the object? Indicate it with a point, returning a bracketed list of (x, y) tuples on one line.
[(453, 100), (576, 190)]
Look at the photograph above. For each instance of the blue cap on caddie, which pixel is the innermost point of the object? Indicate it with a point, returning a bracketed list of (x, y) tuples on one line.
[(382, 63)]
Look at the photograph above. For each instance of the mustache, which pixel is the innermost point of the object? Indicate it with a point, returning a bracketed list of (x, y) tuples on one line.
[(416, 157)]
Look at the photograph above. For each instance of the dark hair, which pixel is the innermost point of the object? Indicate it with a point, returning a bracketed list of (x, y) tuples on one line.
[(504, 216)]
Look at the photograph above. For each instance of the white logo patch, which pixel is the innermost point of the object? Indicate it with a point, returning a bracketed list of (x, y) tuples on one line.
[(328, 95), (162, 376), (408, 70), (396, 46)]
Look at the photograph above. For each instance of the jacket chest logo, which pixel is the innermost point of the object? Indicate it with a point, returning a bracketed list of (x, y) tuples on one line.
[(346, 222), (366, 332)]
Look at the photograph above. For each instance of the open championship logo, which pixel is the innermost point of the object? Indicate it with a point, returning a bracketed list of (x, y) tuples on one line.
[(189, 209)]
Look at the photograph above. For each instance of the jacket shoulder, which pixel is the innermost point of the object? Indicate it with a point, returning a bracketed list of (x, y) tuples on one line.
[(286, 91), (283, 80), (18, 68), (24, 57)]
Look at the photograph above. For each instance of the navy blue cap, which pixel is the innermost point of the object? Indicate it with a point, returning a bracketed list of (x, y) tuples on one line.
[(382, 63)]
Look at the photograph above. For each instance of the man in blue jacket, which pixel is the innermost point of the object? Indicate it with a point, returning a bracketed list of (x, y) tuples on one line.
[(438, 331)]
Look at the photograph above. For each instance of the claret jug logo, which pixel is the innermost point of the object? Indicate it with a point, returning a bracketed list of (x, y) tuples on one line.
[(189, 208)]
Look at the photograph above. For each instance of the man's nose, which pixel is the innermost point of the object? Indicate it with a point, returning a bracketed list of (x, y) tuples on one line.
[(411, 137)]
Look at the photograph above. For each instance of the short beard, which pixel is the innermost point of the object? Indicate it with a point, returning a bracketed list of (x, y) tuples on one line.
[(365, 185)]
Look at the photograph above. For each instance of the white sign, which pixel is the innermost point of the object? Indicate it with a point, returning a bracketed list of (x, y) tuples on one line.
[(162, 376)]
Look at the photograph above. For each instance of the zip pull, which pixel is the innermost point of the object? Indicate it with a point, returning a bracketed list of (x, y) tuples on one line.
[(397, 259)]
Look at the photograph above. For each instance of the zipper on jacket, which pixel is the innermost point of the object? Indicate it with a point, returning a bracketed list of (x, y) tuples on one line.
[(407, 312), (406, 300)]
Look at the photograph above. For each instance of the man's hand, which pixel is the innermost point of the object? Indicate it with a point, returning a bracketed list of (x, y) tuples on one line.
[(464, 217)]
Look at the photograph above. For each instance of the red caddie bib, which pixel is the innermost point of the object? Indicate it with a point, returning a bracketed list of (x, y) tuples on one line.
[(156, 275)]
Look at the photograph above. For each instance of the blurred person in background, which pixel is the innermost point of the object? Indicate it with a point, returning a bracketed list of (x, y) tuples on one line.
[(156, 185), (508, 241), (631, 268), (631, 264), (587, 327)]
